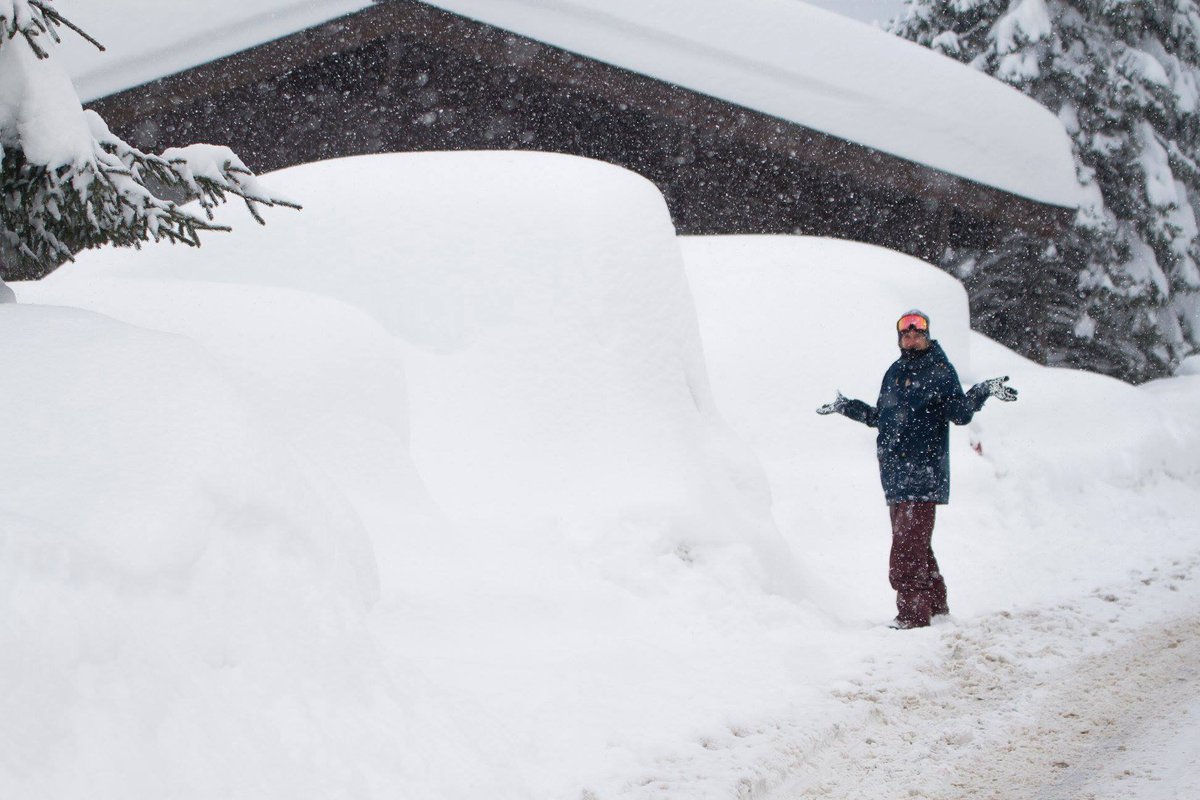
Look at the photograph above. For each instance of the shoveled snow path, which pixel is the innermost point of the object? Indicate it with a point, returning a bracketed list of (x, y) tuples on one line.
[(1083, 701)]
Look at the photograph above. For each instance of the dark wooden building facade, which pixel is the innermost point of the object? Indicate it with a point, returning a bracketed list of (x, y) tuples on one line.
[(404, 76)]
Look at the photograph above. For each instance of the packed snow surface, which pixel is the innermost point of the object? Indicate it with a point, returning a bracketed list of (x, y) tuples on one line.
[(483, 483), (784, 58)]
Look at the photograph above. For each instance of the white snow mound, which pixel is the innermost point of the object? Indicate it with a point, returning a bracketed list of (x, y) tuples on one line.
[(184, 608), (555, 374), (583, 581), (788, 321)]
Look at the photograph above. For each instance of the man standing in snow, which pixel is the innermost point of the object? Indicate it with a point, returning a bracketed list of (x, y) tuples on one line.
[(919, 399)]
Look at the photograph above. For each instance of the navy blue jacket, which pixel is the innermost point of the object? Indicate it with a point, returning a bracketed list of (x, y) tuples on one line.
[(918, 400)]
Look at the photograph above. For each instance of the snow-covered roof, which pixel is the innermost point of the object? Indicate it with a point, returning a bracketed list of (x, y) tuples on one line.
[(826, 72), (781, 57), (147, 39)]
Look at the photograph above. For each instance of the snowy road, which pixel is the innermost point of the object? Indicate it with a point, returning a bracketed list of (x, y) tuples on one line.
[(1084, 701)]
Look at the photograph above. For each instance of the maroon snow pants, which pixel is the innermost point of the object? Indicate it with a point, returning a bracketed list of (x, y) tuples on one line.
[(912, 569)]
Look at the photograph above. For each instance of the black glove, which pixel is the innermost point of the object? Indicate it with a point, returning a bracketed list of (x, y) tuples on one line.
[(995, 387), (835, 407)]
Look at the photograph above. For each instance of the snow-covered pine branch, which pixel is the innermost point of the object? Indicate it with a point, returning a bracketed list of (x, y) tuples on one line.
[(34, 18), (68, 182)]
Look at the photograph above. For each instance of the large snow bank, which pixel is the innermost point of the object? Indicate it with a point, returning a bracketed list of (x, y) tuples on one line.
[(550, 285), (782, 57), (183, 604), (329, 379), (592, 633), (593, 525), (1070, 469)]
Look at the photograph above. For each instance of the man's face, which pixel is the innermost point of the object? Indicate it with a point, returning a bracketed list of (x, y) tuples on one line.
[(913, 339)]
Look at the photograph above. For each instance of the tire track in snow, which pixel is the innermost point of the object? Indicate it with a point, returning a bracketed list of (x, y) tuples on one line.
[(1037, 704), (1074, 747)]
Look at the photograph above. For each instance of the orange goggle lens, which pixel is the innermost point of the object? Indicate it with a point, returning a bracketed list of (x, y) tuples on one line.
[(912, 321)]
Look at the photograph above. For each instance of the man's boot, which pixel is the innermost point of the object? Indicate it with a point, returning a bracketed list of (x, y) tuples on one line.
[(914, 609)]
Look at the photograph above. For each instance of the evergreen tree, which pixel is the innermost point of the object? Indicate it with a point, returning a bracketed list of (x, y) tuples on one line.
[(68, 182), (1120, 291)]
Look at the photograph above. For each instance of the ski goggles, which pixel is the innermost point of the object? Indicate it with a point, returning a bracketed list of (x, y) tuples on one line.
[(912, 321)]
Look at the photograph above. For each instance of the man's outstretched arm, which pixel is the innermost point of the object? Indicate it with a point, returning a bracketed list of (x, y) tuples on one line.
[(856, 410)]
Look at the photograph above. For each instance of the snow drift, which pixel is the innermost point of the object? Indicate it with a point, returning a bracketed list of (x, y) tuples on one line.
[(1069, 469), (548, 490), (492, 363), (184, 605), (555, 375)]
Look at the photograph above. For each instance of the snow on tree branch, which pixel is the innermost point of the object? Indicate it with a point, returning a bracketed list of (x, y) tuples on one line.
[(67, 182), (33, 18)]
